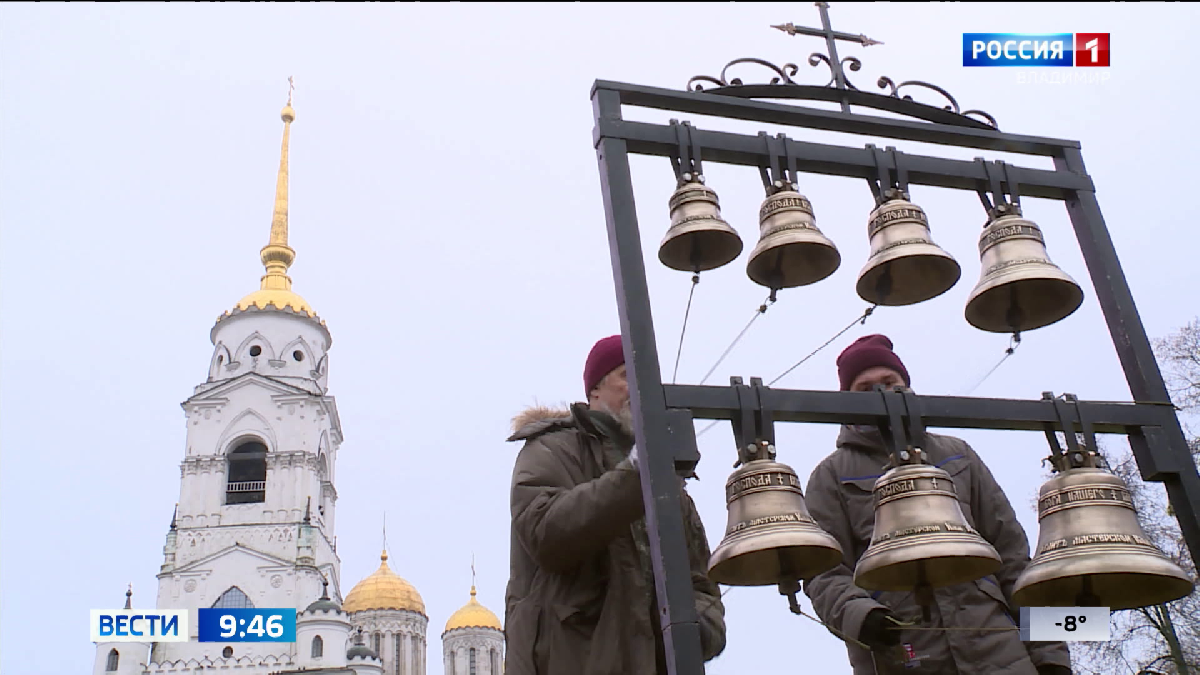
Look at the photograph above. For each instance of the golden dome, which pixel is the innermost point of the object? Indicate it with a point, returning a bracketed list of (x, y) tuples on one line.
[(383, 589), (473, 615), (277, 298)]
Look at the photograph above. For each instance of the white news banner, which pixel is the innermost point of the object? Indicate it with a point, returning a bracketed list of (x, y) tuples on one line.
[(1065, 624)]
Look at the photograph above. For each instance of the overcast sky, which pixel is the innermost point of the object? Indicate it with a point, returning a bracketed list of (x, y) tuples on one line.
[(446, 212)]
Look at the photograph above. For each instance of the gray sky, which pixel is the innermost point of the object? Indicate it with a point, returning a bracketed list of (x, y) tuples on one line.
[(464, 276)]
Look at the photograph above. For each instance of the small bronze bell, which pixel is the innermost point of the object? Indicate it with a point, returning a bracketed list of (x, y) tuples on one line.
[(1019, 288), (905, 266), (770, 538), (1091, 550), (921, 538), (698, 239), (791, 251)]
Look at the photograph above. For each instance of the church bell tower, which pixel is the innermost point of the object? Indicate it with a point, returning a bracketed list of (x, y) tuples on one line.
[(254, 526)]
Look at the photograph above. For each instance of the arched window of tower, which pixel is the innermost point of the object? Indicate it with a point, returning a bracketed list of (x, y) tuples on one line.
[(114, 659), (233, 598), (378, 642), (495, 662), (247, 473), (318, 647), (471, 662)]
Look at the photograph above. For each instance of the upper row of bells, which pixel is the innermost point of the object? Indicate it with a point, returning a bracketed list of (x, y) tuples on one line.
[(1019, 288)]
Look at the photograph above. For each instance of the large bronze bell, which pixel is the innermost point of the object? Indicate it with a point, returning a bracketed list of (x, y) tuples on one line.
[(791, 251), (770, 538), (698, 239), (1091, 550), (905, 266), (1019, 287), (921, 538)]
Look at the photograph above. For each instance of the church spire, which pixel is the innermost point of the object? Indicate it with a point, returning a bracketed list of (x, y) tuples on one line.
[(277, 256)]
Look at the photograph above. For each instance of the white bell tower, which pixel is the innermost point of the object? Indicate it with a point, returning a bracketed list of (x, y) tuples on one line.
[(254, 526)]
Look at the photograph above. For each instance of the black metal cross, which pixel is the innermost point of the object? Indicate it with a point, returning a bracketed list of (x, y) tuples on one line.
[(831, 37)]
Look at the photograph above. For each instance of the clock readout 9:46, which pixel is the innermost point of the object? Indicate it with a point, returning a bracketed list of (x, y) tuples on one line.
[(247, 625)]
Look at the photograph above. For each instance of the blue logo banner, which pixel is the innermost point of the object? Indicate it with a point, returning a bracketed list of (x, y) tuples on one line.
[(1018, 49)]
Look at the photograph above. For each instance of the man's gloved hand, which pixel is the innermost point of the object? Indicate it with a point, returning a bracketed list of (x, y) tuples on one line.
[(1053, 669), (878, 631)]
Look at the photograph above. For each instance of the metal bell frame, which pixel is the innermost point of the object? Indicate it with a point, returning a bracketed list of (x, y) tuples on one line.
[(664, 414)]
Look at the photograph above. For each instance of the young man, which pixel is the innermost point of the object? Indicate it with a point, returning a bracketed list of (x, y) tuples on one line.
[(581, 596), (840, 498)]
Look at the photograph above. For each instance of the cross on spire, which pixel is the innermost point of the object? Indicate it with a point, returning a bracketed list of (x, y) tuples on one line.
[(472, 570), (291, 88), (831, 37)]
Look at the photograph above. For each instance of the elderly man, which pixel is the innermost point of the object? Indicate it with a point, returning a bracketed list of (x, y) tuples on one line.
[(581, 596), (840, 498)]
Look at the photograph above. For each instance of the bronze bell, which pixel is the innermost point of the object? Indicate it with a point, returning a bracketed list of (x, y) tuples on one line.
[(905, 266), (1091, 550), (791, 251), (770, 538), (921, 537), (698, 239), (1019, 288)]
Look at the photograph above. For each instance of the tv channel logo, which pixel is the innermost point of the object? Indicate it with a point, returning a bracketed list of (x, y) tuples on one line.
[(139, 625), (1077, 50)]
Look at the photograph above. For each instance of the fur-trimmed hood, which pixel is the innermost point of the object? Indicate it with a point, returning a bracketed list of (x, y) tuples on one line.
[(539, 418)]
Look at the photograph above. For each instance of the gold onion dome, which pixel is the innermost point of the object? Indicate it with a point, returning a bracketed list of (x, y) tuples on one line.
[(473, 615), (383, 589), (275, 291)]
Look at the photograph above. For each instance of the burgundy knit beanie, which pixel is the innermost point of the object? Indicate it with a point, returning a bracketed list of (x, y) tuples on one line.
[(868, 352), (606, 356)]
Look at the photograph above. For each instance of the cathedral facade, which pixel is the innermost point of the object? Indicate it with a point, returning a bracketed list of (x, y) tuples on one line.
[(255, 522)]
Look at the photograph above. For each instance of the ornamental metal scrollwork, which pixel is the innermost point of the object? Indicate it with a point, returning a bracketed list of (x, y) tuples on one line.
[(784, 74), (782, 85), (855, 65), (839, 89), (886, 81)]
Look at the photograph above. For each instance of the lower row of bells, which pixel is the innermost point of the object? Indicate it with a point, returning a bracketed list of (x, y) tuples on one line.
[(1019, 288), (1091, 550)]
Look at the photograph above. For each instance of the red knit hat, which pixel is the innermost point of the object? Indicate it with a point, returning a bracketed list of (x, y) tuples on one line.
[(868, 352), (606, 356)]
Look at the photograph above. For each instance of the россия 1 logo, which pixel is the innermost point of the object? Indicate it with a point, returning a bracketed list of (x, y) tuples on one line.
[(1049, 50)]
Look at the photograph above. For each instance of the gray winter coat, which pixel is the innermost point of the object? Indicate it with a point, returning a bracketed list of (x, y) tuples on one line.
[(840, 498)]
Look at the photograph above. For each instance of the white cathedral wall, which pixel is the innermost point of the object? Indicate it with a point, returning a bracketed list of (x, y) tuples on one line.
[(131, 658), (410, 627), (456, 651), (334, 630)]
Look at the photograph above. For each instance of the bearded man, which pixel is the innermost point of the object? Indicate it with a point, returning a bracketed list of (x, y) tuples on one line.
[(840, 497), (581, 596)]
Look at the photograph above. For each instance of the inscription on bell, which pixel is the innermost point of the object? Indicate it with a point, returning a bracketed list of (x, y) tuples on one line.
[(922, 529), (1069, 497), (773, 205), (761, 480), (899, 487), (1008, 232), (1091, 539), (906, 213), (772, 520)]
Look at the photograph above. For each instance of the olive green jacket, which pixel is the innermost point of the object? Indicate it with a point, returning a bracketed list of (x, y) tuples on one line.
[(580, 598), (840, 498)]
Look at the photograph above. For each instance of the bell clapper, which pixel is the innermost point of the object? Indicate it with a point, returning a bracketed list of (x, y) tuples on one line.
[(923, 593)]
